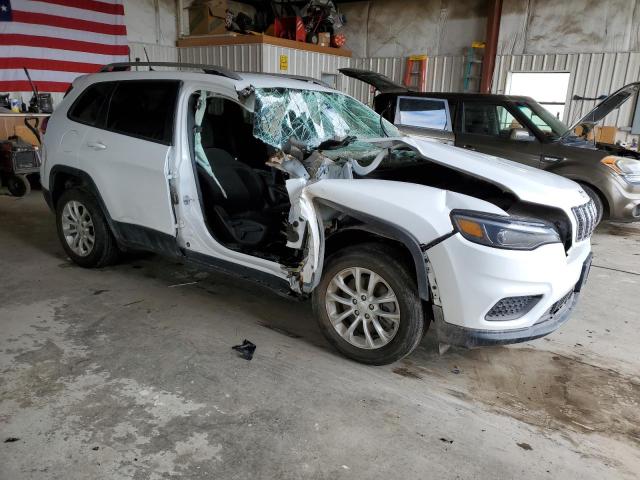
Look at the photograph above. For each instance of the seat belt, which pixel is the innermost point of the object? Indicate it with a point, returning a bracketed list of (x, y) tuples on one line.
[(201, 157)]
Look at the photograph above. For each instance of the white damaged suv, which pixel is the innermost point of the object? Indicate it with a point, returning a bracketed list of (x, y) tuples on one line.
[(302, 188)]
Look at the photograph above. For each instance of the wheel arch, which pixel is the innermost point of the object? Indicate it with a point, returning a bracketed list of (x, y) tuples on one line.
[(365, 228)]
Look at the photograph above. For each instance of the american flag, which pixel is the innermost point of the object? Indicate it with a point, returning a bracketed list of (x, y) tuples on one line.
[(57, 40)]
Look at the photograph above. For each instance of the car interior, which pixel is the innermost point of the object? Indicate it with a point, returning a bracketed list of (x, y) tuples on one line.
[(244, 201)]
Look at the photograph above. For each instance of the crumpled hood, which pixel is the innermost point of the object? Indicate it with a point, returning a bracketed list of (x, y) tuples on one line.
[(527, 183)]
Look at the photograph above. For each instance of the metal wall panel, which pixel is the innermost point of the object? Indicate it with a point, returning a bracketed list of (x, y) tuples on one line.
[(241, 58), (157, 53), (444, 74), (303, 62), (592, 74)]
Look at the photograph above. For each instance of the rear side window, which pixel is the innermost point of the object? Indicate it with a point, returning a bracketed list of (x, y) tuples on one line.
[(144, 109), (91, 103), (423, 112)]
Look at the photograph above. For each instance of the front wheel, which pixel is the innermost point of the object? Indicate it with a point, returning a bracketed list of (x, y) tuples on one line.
[(367, 305)]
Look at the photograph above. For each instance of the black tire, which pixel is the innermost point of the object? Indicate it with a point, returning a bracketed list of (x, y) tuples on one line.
[(105, 250), (384, 261), (18, 185), (596, 200)]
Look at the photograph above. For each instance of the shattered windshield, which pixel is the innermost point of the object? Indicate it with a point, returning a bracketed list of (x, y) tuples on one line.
[(313, 117)]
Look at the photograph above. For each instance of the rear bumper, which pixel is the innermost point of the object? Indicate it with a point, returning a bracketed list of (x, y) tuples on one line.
[(470, 337)]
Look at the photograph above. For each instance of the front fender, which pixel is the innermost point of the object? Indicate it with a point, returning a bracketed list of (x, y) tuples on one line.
[(414, 215)]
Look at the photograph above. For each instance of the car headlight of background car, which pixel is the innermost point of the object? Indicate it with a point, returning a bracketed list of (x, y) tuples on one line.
[(627, 168), (504, 232)]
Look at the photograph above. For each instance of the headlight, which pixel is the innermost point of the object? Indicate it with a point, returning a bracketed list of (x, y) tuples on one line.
[(503, 232), (627, 168)]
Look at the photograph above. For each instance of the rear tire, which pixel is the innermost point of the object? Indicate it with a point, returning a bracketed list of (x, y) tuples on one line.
[(376, 339), (83, 230), (593, 195), (18, 185)]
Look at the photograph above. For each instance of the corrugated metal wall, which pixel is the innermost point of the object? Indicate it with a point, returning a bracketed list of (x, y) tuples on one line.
[(241, 58), (444, 74), (592, 74), (265, 58), (157, 53)]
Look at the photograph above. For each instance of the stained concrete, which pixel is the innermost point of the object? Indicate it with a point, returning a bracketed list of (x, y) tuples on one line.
[(127, 372)]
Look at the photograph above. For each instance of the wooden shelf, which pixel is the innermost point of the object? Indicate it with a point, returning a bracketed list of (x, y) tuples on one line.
[(207, 40)]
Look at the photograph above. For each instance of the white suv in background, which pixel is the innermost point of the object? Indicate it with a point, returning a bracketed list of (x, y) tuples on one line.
[(302, 188)]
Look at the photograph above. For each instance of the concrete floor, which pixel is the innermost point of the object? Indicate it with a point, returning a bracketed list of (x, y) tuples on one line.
[(122, 373)]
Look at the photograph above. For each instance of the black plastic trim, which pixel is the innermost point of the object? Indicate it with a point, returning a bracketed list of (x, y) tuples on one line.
[(391, 231), (469, 337), (277, 284)]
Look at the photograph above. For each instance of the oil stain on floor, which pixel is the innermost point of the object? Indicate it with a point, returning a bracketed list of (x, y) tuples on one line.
[(538, 387)]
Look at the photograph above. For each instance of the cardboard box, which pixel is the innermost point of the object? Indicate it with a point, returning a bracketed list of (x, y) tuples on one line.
[(324, 39), (207, 17)]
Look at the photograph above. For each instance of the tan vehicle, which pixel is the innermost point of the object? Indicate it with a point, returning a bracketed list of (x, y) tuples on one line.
[(520, 129)]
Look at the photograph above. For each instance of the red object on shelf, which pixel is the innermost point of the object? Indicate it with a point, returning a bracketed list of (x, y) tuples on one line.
[(291, 28), (338, 40)]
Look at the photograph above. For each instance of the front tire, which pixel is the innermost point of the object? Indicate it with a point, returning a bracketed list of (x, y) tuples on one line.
[(83, 230), (593, 195), (367, 304)]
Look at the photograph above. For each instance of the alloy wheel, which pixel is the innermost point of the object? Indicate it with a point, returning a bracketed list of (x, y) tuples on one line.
[(77, 228), (362, 308)]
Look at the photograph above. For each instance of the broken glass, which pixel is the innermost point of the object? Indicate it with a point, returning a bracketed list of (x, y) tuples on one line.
[(313, 117)]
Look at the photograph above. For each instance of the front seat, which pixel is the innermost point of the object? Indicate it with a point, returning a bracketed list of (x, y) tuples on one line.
[(241, 217)]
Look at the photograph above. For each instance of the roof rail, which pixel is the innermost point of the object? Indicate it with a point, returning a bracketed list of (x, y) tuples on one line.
[(210, 69), (295, 77)]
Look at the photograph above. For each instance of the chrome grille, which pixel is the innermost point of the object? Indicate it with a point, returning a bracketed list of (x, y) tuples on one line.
[(585, 216)]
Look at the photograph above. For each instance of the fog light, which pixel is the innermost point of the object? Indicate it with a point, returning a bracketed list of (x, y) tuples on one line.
[(512, 308)]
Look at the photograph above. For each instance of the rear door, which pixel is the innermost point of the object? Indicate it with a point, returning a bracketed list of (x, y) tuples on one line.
[(126, 152), (424, 117), (491, 127)]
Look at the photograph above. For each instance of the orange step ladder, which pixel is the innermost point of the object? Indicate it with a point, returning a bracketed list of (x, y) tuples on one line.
[(416, 77)]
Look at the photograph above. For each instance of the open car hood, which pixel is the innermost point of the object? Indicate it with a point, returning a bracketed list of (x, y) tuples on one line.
[(377, 80), (527, 183), (609, 104)]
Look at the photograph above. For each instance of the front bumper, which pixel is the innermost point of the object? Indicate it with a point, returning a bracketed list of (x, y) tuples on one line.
[(623, 199), (470, 337), (470, 279)]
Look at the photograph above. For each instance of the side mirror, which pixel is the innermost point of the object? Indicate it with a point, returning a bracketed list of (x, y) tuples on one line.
[(521, 135)]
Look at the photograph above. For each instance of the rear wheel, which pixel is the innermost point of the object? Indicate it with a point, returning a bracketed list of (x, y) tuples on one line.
[(593, 195), (83, 230), (18, 185), (368, 306)]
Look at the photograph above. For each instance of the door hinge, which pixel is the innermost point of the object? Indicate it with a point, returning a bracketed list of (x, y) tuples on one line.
[(187, 199), (180, 224)]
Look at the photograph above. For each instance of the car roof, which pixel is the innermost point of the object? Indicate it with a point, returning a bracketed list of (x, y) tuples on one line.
[(241, 80)]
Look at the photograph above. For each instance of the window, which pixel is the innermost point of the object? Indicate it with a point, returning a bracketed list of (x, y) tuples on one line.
[(549, 89), (423, 112), (90, 103), (488, 119), (144, 109)]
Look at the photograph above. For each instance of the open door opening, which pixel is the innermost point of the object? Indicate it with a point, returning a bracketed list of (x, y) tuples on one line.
[(244, 202)]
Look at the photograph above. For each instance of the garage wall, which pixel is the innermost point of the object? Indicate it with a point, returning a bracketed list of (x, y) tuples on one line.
[(592, 74), (394, 28)]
